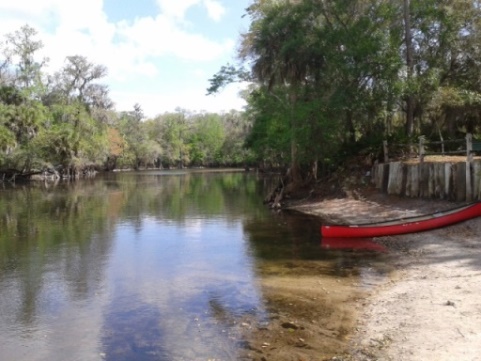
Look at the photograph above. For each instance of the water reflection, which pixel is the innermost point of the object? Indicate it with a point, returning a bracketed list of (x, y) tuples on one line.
[(353, 244), (149, 266), (144, 266), (180, 272)]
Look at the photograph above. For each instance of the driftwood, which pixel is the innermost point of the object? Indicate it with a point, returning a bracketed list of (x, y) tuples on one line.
[(12, 175), (275, 198)]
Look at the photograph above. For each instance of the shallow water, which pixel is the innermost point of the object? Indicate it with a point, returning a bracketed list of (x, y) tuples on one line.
[(155, 265)]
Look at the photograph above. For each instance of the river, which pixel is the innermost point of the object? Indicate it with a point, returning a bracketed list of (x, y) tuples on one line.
[(153, 265)]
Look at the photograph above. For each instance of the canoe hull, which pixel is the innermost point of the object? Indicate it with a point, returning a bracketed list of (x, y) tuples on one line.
[(403, 226)]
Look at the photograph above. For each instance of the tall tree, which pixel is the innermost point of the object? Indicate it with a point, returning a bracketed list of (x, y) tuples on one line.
[(409, 68), (140, 149), (24, 47), (280, 47), (207, 136), (446, 65), (175, 134), (324, 63)]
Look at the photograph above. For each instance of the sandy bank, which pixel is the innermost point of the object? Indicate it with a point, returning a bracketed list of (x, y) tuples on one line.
[(431, 307)]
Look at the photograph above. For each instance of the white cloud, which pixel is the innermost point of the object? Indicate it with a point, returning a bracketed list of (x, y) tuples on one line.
[(160, 36), (83, 28), (178, 8), (191, 99), (29, 8), (131, 49), (214, 9)]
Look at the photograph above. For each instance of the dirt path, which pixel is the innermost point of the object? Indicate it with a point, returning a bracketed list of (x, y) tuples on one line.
[(431, 307)]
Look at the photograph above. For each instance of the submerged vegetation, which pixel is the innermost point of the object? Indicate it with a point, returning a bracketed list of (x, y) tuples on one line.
[(328, 80)]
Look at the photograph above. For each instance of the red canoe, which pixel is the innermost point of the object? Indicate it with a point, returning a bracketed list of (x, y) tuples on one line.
[(404, 225)]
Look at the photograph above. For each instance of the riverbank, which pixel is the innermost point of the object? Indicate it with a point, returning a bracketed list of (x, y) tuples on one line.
[(429, 307)]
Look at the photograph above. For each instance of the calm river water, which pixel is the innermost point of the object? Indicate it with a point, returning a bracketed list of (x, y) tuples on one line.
[(137, 266)]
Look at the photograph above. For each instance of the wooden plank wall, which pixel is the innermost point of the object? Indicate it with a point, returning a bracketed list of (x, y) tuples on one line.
[(434, 180)]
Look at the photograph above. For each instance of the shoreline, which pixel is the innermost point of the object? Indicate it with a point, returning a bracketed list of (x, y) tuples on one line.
[(429, 308)]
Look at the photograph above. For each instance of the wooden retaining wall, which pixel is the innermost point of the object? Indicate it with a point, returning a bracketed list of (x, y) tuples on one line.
[(459, 181)]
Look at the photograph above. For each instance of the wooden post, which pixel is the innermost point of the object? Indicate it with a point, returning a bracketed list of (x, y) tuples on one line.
[(469, 159), (442, 140), (421, 148), (469, 147), (385, 149)]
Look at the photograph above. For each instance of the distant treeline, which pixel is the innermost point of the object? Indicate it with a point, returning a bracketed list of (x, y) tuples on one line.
[(65, 125)]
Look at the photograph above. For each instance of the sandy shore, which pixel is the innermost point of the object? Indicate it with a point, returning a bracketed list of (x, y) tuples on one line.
[(430, 308)]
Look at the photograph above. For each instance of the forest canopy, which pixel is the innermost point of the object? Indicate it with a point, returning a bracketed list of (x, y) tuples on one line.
[(334, 78)]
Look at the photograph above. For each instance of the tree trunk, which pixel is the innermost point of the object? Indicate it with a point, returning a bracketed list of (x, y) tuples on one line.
[(295, 169), (410, 68), (315, 166), (351, 137)]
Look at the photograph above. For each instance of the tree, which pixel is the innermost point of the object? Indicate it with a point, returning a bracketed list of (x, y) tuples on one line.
[(409, 69), (326, 66), (139, 149), (237, 126), (116, 145), (282, 50), (5, 63), (175, 134), (21, 120), (23, 46), (206, 139), (80, 109)]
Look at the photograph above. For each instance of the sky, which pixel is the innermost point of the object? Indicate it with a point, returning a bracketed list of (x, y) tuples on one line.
[(159, 53)]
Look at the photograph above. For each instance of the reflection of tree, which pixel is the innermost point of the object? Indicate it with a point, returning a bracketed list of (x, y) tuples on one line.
[(55, 243), (296, 244), (66, 229), (52, 240), (296, 236), (179, 196), (220, 312)]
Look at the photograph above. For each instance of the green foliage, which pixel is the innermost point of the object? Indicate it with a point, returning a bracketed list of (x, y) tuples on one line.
[(21, 120), (270, 135), (324, 70), (175, 132), (23, 46), (333, 76), (226, 75), (329, 79), (7, 138), (59, 121), (66, 119), (197, 139), (207, 137), (233, 152)]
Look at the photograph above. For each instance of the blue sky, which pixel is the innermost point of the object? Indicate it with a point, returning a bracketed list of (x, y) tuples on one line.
[(159, 53)]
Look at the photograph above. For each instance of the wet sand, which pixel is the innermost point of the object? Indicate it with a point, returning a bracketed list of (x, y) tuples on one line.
[(430, 307)]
